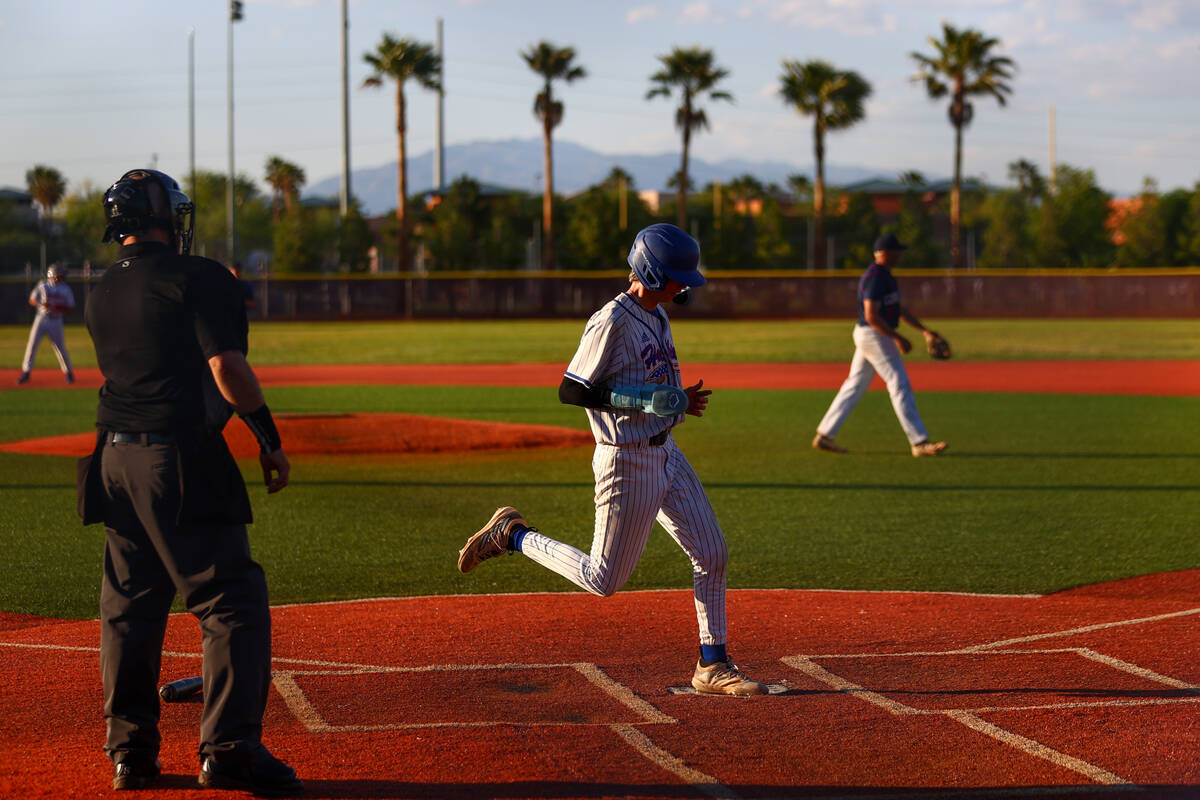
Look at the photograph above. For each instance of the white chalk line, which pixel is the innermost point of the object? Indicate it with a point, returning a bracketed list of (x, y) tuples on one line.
[(968, 717), (1039, 750), (1074, 631)]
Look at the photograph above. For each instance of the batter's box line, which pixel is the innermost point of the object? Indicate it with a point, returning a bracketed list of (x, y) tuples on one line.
[(304, 710), (967, 718), (1084, 652)]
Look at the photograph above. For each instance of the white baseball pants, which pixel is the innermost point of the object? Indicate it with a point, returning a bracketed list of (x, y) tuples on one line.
[(874, 352), (52, 328), (636, 485)]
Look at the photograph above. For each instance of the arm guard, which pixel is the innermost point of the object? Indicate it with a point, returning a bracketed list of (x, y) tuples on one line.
[(653, 398), (262, 425)]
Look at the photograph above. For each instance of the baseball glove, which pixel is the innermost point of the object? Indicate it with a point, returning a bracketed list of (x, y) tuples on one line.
[(938, 347)]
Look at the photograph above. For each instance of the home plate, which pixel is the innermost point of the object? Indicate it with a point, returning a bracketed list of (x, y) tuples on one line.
[(772, 688)]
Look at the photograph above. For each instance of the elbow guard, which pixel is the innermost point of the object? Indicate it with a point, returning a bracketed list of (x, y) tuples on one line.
[(652, 398)]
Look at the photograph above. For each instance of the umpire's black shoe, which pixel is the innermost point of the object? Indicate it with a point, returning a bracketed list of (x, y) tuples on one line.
[(135, 773), (263, 775)]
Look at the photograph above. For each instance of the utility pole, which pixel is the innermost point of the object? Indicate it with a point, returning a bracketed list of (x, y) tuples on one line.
[(192, 116), (1053, 167), (439, 158), (235, 14), (344, 199)]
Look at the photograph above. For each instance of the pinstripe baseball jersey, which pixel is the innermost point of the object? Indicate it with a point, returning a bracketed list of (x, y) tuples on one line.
[(48, 296), (623, 344)]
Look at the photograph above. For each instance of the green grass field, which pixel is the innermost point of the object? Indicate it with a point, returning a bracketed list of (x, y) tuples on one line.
[(517, 341), (1039, 493)]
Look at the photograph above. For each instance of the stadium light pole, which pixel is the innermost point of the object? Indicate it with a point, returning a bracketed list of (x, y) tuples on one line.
[(235, 14), (344, 200), (439, 158), (192, 111)]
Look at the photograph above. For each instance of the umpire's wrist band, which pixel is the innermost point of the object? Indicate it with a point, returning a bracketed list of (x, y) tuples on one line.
[(262, 425)]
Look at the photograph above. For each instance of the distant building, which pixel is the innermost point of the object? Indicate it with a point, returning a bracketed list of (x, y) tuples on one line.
[(887, 196)]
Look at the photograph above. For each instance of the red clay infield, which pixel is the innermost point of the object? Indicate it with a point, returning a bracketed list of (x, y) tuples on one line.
[(1082, 693), (1053, 377), (1089, 692)]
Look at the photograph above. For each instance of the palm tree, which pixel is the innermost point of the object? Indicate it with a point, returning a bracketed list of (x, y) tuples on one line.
[(691, 70), (834, 99), (286, 179), (401, 59), (47, 186), (1029, 181), (962, 65), (552, 63)]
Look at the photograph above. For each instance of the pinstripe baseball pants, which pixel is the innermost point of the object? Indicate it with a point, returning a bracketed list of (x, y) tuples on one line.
[(636, 485)]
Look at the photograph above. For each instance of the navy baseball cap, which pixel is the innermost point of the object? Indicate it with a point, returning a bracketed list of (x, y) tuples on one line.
[(889, 242)]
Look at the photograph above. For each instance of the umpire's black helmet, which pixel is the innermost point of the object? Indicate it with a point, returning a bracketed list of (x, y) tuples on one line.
[(146, 198)]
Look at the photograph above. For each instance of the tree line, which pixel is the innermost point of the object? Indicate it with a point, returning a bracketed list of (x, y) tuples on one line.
[(1063, 222)]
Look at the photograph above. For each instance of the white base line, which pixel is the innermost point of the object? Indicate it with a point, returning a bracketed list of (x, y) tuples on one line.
[(1073, 631), (705, 784), (1039, 750), (1029, 746)]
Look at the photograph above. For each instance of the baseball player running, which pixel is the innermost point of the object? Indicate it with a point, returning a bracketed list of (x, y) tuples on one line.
[(51, 298), (877, 348), (626, 375)]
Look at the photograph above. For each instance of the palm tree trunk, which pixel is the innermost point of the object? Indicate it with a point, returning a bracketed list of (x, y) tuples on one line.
[(956, 202), (401, 184), (819, 195), (681, 190), (548, 255)]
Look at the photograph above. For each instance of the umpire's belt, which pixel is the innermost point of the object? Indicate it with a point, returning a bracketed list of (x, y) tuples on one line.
[(121, 437)]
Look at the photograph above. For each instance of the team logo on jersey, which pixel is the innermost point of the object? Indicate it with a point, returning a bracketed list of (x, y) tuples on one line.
[(660, 362)]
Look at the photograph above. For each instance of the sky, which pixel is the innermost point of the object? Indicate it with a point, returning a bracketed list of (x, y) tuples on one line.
[(97, 88)]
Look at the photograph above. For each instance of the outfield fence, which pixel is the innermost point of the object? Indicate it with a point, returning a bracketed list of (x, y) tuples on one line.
[(728, 294)]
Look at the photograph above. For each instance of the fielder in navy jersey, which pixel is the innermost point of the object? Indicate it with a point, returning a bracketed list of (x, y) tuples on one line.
[(878, 347), (626, 375)]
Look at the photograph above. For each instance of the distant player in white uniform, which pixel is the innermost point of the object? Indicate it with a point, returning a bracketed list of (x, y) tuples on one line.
[(51, 298), (626, 374)]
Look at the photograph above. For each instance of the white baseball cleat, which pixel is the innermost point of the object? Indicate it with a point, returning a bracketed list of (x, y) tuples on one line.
[(724, 677), (928, 448), (826, 443), (493, 539)]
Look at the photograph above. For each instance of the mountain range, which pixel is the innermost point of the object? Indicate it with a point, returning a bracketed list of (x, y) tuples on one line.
[(517, 164)]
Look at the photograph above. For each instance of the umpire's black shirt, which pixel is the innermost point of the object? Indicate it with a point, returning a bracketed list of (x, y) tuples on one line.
[(156, 317)]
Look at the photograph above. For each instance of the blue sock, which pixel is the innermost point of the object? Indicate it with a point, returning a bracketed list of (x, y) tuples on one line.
[(518, 537), (712, 653)]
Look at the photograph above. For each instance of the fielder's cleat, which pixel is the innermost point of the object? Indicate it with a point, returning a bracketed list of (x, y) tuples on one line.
[(928, 448), (493, 539), (23, 378), (263, 775), (724, 677), (823, 442), (70, 377), (135, 773)]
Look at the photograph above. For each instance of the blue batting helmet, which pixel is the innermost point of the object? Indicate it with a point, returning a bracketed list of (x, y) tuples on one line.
[(664, 251)]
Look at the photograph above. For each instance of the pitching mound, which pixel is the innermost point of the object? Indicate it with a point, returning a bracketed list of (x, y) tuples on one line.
[(356, 434)]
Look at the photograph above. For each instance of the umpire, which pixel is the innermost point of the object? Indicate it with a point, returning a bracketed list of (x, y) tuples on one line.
[(170, 333)]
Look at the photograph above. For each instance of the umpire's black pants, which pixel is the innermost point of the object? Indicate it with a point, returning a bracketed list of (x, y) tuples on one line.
[(149, 556)]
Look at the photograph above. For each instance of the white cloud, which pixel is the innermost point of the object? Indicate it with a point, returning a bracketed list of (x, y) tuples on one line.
[(1179, 49), (849, 17), (642, 14), (699, 13), (1155, 16)]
